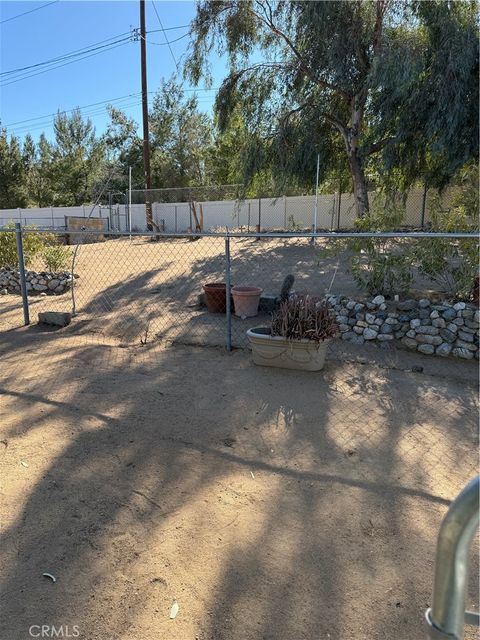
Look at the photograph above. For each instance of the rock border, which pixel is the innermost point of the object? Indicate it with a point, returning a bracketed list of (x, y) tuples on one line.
[(41, 282), (440, 329)]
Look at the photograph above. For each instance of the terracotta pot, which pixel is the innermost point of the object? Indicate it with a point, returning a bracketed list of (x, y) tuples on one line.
[(276, 351), (246, 300), (215, 297)]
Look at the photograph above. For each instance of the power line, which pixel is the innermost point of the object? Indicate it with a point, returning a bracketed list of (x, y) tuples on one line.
[(163, 44), (22, 73), (164, 34), (181, 26), (19, 15), (65, 56), (58, 66), (102, 102)]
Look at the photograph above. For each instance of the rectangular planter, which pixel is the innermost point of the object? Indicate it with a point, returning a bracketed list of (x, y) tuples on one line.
[(276, 351)]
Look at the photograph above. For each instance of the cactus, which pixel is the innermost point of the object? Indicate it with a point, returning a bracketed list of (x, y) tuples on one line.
[(286, 287)]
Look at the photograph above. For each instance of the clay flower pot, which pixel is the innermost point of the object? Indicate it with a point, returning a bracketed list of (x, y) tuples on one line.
[(215, 297), (246, 300)]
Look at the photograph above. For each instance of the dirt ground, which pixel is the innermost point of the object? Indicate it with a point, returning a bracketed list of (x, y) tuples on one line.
[(271, 504), (140, 290)]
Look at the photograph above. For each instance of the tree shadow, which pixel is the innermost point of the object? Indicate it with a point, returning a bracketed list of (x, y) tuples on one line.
[(264, 500)]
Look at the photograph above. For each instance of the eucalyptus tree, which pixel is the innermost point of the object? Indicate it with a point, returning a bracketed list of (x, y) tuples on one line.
[(306, 74)]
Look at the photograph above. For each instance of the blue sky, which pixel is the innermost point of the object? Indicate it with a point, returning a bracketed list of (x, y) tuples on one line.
[(68, 25)]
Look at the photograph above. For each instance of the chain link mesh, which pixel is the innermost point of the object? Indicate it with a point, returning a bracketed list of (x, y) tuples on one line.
[(191, 473)]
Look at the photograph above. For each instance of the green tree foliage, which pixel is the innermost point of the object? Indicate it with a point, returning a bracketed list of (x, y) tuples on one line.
[(429, 114), (78, 159), (12, 173), (181, 137), (33, 243), (308, 74)]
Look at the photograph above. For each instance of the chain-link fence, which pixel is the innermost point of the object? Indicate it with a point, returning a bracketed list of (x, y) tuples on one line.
[(218, 208), (215, 209), (330, 478), (141, 287)]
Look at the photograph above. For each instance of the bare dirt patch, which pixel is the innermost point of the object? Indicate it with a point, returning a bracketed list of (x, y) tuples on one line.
[(140, 290), (270, 504)]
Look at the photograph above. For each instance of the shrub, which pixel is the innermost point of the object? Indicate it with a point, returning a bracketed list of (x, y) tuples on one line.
[(304, 316), (451, 264), (378, 265), (33, 244), (56, 257)]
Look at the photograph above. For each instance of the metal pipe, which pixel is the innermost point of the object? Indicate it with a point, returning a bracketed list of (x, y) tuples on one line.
[(446, 618), (129, 202), (464, 235), (227, 292), (21, 269), (315, 209)]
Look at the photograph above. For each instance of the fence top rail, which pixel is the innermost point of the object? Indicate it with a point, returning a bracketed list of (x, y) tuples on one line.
[(230, 234)]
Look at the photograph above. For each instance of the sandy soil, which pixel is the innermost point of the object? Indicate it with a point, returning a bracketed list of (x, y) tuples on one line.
[(273, 505), (140, 290)]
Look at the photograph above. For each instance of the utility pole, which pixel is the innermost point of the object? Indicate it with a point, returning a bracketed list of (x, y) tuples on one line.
[(146, 140)]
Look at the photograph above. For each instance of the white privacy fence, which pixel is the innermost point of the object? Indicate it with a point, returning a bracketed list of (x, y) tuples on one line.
[(284, 212), (51, 217)]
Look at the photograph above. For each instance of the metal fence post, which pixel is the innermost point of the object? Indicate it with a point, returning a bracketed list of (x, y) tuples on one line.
[(227, 292), (21, 268)]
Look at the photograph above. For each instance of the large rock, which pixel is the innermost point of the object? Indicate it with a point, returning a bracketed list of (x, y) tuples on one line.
[(369, 334), (56, 318), (467, 337), (378, 300), (448, 335), (466, 345), (427, 330), (444, 349), (449, 314), (428, 349), (435, 340), (410, 343), (407, 305), (53, 284), (462, 353)]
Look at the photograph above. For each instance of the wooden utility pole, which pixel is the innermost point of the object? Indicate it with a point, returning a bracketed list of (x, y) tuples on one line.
[(146, 140)]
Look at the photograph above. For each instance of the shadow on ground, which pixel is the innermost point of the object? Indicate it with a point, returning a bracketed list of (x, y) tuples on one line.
[(269, 503)]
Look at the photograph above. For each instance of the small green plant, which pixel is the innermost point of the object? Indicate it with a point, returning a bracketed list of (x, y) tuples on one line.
[(293, 225), (56, 257), (32, 246), (304, 317)]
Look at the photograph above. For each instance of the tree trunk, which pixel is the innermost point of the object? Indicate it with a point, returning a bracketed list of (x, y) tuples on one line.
[(360, 192)]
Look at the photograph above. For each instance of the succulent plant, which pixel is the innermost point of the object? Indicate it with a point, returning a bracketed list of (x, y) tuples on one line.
[(304, 317)]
